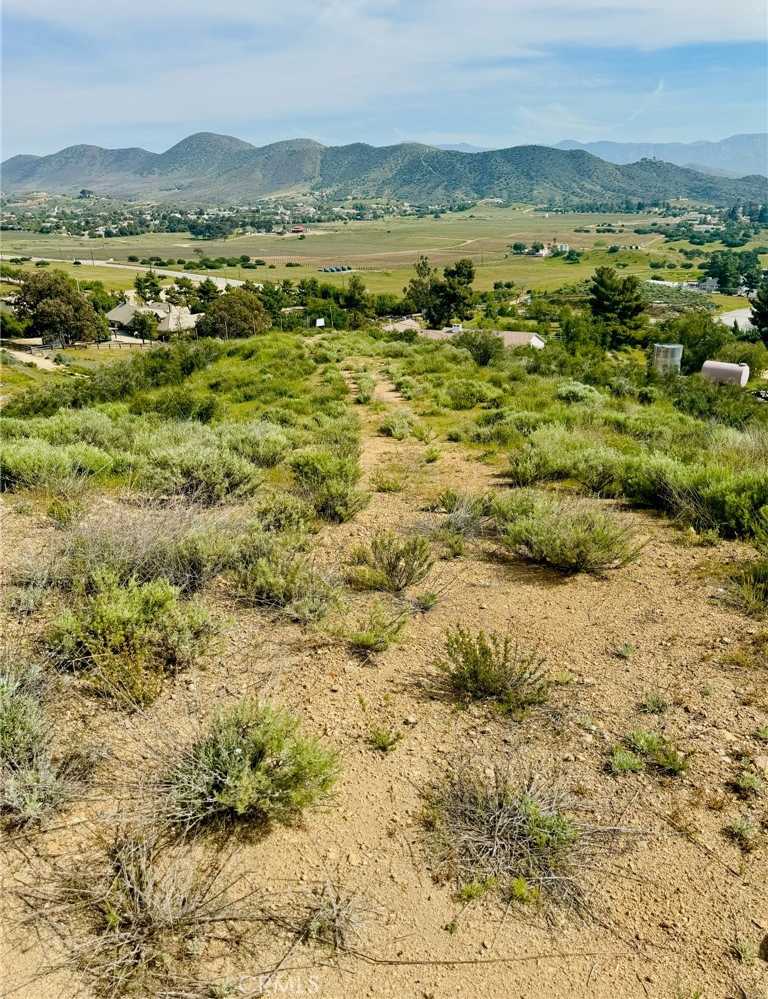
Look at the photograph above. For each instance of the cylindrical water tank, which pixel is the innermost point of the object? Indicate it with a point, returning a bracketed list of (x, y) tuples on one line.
[(725, 373), (667, 357)]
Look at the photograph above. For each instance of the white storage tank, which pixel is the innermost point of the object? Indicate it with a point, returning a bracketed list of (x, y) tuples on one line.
[(667, 358), (725, 373)]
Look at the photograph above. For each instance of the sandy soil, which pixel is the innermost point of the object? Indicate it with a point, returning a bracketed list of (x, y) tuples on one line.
[(667, 912)]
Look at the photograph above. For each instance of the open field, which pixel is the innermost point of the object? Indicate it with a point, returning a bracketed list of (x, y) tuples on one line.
[(384, 251), (642, 707)]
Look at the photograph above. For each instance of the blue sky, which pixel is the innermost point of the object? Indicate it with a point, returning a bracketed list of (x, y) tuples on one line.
[(493, 72)]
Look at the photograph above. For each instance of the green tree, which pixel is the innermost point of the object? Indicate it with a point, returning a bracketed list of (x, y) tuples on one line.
[(419, 287), (143, 325), (518, 248), (701, 336), (147, 286), (615, 299), (759, 314), (56, 311), (207, 292), (236, 313), (484, 346), (355, 295)]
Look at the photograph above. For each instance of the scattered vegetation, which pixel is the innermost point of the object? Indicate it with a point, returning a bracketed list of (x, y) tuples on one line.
[(642, 750)]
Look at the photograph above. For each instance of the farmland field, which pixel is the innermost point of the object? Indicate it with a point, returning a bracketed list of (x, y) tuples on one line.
[(384, 251)]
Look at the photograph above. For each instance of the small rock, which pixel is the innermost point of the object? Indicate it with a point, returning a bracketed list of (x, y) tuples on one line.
[(761, 762), (410, 720)]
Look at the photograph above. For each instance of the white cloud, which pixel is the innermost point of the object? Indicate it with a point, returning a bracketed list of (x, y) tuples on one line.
[(259, 60)]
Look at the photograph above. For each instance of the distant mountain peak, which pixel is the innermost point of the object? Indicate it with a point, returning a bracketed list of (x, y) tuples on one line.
[(211, 168), (735, 156)]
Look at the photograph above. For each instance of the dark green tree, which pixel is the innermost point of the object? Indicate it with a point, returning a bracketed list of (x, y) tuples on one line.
[(236, 313), (702, 338), (147, 286), (143, 325), (56, 311), (207, 292), (615, 299), (419, 287)]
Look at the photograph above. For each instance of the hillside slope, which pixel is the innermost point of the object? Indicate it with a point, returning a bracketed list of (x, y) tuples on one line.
[(217, 168)]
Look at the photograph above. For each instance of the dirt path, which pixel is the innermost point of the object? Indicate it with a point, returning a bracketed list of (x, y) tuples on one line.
[(44, 363)]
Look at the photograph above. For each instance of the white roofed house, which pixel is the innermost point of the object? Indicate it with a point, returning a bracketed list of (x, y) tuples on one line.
[(170, 318)]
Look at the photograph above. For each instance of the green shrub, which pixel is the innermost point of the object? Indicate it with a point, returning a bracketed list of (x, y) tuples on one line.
[(327, 481), (365, 387), (479, 666), (127, 636), (251, 766), (271, 573), (33, 462), (283, 513), (390, 563), (375, 631), (178, 403), (749, 588), (578, 392), (207, 476), (569, 537), (655, 750), (465, 394), (397, 424), (265, 444)]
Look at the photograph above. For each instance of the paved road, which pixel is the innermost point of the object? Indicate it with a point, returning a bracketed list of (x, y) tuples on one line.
[(740, 316), (196, 276)]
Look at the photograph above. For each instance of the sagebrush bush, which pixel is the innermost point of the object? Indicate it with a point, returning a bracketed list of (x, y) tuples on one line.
[(131, 914), (328, 481), (252, 765), (283, 513), (180, 547), (390, 563), (203, 475), (263, 443), (481, 666), (569, 537), (128, 636), (33, 783), (272, 572), (398, 424), (31, 462)]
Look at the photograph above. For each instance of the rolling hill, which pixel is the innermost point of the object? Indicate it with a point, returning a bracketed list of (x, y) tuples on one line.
[(735, 156), (212, 168)]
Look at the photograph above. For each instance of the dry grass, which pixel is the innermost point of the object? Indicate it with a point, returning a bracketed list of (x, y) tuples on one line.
[(129, 915), (524, 835)]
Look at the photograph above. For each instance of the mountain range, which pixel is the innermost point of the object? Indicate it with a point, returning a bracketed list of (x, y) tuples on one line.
[(735, 156), (210, 168)]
